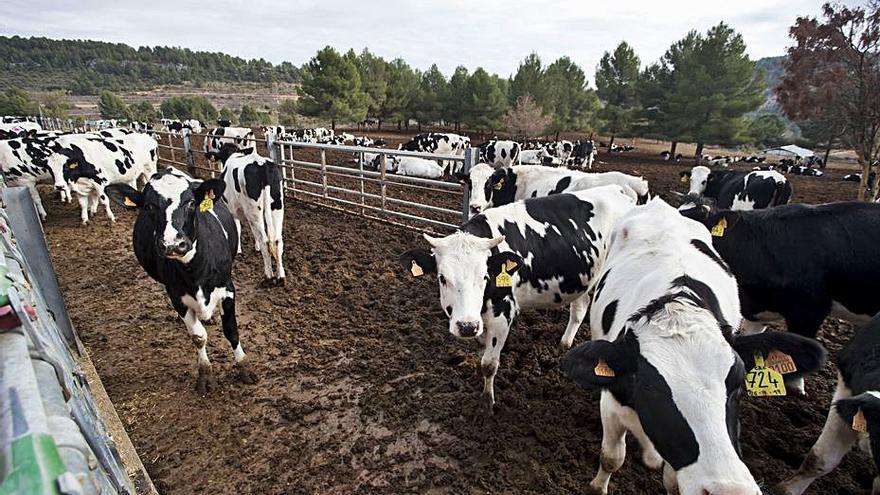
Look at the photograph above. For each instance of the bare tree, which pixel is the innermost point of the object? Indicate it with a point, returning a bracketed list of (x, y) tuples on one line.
[(833, 74), (526, 119)]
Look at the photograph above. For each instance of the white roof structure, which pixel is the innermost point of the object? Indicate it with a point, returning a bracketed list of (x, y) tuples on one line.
[(789, 150)]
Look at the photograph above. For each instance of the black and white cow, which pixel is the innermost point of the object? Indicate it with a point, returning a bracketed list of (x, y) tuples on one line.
[(800, 262), (665, 355), (224, 122), (491, 187), (737, 190), (858, 389), (24, 162), (275, 130), (185, 239), (242, 137), (560, 149), (584, 154), (253, 194), (440, 144), (551, 247), (500, 153), (316, 135), (539, 156)]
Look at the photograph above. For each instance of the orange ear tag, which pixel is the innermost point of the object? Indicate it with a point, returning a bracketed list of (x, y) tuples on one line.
[(602, 369), (416, 270)]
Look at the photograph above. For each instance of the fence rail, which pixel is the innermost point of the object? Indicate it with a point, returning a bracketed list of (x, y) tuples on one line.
[(413, 202)]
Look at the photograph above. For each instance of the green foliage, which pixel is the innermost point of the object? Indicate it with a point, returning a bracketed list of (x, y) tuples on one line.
[(287, 112), (572, 105), (402, 89), (617, 86), (111, 106), (374, 81), (189, 107), (56, 105), (249, 117), (331, 88), (17, 102), (457, 95), (143, 111), (766, 129), (226, 114), (118, 67), (433, 88), (705, 84), (528, 80), (486, 102)]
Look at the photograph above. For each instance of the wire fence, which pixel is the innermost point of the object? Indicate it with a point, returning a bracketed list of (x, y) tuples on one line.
[(341, 178)]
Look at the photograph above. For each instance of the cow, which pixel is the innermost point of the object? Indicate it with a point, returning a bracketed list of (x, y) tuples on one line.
[(857, 177), (23, 162), (366, 142), (17, 127), (500, 153), (800, 263), (854, 415), (184, 238), (226, 123), (89, 163), (316, 135), (537, 253), (441, 144), (560, 149), (584, 154), (538, 157), (737, 190), (665, 355), (140, 126), (492, 188), (254, 195), (416, 167), (804, 170), (276, 131), (242, 137)]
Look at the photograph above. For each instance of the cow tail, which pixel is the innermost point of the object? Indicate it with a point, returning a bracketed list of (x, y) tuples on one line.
[(273, 206)]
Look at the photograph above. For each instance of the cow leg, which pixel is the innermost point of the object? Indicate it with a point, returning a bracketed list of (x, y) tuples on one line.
[(576, 313), (279, 264), (238, 231), (670, 480), (258, 230), (836, 439), (613, 442), (199, 337), (230, 331), (35, 196), (806, 320), (106, 202), (83, 207), (495, 336)]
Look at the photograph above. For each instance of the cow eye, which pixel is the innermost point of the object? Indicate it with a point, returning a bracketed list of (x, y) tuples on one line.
[(442, 280)]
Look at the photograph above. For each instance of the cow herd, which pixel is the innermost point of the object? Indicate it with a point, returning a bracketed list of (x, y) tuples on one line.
[(676, 299)]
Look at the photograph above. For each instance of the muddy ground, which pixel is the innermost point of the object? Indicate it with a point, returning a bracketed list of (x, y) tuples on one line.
[(362, 389)]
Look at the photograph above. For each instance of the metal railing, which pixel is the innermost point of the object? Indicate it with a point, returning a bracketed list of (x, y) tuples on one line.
[(323, 174)]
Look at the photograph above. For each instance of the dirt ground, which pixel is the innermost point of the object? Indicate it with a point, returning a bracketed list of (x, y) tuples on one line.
[(362, 389)]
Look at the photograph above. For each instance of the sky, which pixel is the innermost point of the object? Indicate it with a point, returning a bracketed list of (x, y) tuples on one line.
[(492, 34)]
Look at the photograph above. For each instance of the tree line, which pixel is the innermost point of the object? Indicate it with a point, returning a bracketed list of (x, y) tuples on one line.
[(93, 66)]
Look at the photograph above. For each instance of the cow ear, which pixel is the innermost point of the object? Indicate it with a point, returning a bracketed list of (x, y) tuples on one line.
[(599, 364), (508, 259), (418, 262), (686, 174), (211, 188), (869, 405), (125, 195), (807, 354)]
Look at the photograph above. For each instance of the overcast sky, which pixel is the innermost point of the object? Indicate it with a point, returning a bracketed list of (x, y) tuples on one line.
[(494, 34)]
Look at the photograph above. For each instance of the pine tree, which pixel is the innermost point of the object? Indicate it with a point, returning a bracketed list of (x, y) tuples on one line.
[(572, 105), (528, 80), (457, 97), (111, 106), (331, 89), (486, 102), (616, 85)]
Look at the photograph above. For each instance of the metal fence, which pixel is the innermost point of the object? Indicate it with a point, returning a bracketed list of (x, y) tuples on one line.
[(340, 178)]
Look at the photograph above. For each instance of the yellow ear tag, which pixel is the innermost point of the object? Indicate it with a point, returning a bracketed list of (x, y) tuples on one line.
[(73, 165), (780, 362), (498, 185), (128, 202), (718, 229), (602, 369), (684, 178), (416, 270), (504, 279), (860, 424), (206, 204), (762, 381)]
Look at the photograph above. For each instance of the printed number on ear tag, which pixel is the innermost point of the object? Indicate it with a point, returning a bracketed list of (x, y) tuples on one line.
[(504, 279), (206, 204), (602, 369), (762, 381), (860, 424), (718, 229), (780, 362), (684, 178), (416, 270)]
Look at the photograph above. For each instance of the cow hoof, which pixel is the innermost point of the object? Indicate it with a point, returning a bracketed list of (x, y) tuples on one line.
[(205, 381), (280, 282), (565, 345), (594, 491), (487, 404), (779, 489), (246, 374), (267, 283)]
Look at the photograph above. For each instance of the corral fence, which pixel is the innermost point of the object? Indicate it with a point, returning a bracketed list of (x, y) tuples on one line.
[(340, 178)]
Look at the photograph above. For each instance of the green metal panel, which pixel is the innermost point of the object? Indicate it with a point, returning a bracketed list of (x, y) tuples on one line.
[(31, 465)]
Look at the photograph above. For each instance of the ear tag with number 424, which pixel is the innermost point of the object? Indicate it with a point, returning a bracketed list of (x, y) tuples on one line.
[(762, 381), (718, 229), (504, 279)]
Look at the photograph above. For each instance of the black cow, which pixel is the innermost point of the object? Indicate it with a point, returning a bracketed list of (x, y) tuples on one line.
[(799, 262), (737, 190), (856, 405), (185, 239)]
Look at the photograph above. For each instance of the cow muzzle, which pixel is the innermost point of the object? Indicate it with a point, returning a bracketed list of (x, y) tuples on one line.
[(178, 248), (476, 209), (467, 329)]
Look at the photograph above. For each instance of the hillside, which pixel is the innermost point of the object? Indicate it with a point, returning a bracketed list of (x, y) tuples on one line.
[(84, 67)]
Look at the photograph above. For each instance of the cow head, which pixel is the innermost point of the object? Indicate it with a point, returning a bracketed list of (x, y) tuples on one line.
[(225, 151), (700, 177), (68, 165), (477, 178), (466, 271), (686, 391), (168, 206), (869, 405)]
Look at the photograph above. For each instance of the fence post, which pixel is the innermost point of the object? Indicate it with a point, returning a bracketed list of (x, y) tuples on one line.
[(382, 166), (171, 148), (292, 171), (469, 159), (324, 170), (187, 149), (270, 145)]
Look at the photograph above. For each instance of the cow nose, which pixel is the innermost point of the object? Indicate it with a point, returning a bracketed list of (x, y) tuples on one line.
[(178, 247), (59, 188), (475, 209), (466, 328)]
